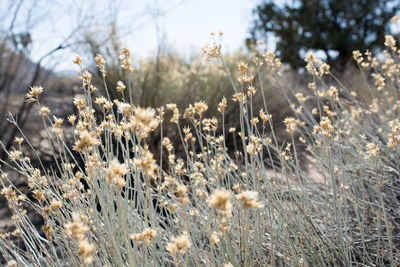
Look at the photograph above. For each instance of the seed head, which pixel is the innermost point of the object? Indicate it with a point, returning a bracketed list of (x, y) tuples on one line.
[(249, 199), (146, 235), (290, 123), (222, 105), (120, 87), (56, 204), (33, 94), (179, 244), (77, 60), (220, 199), (116, 172), (44, 111), (390, 41), (214, 239), (86, 140), (72, 119), (100, 63), (18, 140), (147, 163)]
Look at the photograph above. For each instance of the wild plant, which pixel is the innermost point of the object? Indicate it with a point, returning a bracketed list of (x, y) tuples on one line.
[(107, 201)]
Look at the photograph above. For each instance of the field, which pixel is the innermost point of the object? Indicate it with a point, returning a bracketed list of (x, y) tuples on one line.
[(248, 168)]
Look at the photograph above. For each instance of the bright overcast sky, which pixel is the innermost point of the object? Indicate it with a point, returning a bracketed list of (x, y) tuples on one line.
[(185, 24)]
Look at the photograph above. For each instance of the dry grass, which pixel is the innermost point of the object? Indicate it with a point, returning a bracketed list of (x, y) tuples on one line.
[(106, 201)]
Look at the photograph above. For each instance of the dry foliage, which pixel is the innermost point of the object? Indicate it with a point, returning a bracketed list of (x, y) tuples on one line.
[(107, 202)]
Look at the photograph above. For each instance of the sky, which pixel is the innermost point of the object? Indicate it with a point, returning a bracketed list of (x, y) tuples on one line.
[(188, 25), (183, 25)]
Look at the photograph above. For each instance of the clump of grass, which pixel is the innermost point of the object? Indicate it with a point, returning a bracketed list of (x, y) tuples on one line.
[(216, 208)]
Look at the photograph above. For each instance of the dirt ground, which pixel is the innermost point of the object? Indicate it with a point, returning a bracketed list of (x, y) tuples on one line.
[(60, 105)]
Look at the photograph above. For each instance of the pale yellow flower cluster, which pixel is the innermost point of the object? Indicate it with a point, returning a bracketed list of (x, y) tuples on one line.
[(77, 230), (146, 236), (33, 94), (116, 172), (249, 199), (179, 244)]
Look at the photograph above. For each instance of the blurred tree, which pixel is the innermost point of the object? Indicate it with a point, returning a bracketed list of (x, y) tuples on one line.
[(19, 68), (335, 27)]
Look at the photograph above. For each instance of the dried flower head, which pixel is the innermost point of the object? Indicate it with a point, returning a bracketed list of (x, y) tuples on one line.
[(290, 123), (72, 119), (222, 105), (200, 107), (125, 56), (249, 199), (390, 41), (77, 60), (100, 63), (147, 163), (15, 154), (243, 67), (372, 150), (57, 122), (86, 140), (120, 87), (379, 81), (44, 111), (220, 199), (77, 230), (179, 244), (18, 140), (33, 94), (55, 204), (146, 235), (175, 112), (214, 239), (212, 49), (115, 173)]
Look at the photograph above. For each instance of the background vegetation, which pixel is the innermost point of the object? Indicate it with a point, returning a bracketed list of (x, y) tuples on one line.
[(232, 159)]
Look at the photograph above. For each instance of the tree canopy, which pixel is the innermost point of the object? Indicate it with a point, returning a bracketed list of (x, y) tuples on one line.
[(335, 27)]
